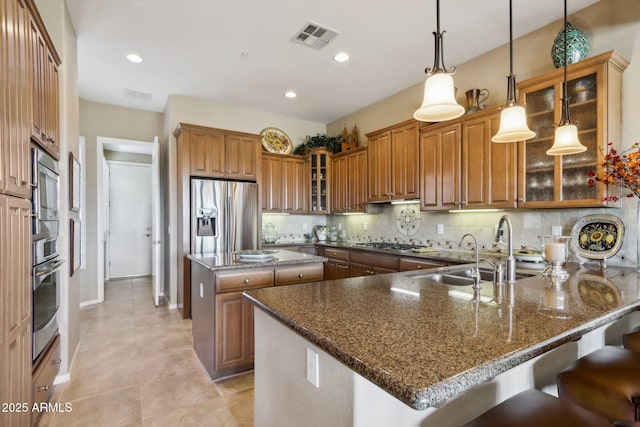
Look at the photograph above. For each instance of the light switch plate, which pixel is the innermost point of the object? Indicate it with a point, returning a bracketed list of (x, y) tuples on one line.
[(440, 229)]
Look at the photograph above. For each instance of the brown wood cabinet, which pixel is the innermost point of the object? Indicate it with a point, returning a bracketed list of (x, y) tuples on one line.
[(393, 163), (45, 374), (595, 91), (365, 263), (410, 264), (45, 94), (349, 181), (223, 320), (15, 112), (462, 169), (284, 184), (15, 297), (213, 153), (217, 153), (319, 188)]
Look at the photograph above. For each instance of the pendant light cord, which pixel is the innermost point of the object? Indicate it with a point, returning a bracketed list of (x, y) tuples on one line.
[(565, 118)]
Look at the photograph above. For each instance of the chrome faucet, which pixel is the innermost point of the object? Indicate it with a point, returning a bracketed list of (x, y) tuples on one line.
[(475, 274), (511, 261)]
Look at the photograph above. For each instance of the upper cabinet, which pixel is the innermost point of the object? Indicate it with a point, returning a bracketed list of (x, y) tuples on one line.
[(595, 88), (349, 181), (320, 169), (216, 153), (15, 111), (461, 168), (284, 184), (44, 91), (393, 162)]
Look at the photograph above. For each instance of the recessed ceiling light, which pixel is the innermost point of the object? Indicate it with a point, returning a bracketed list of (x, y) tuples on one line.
[(341, 57), (134, 57), (290, 94)]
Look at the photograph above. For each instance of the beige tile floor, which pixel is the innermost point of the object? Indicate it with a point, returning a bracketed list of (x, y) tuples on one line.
[(135, 366)]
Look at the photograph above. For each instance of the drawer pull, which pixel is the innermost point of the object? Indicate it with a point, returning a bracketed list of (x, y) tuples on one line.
[(56, 362), (43, 388), (301, 275), (419, 267), (246, 281)]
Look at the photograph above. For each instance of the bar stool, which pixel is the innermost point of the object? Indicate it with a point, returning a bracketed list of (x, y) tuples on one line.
[(631, 339), (606, 381), (533, 408)]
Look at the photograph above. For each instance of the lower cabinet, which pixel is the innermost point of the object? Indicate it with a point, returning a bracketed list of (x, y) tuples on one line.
[(222, 320), (336, 269), (44, 376)]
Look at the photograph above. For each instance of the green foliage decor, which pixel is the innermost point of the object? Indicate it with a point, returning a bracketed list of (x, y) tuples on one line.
[(332, 144)]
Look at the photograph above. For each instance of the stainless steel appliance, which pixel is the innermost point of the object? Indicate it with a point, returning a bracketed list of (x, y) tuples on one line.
[(45, 255), (45, 194), (224, 216)]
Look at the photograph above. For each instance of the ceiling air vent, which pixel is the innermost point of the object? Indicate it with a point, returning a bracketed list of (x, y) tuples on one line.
[(136, 94), (314, 35)]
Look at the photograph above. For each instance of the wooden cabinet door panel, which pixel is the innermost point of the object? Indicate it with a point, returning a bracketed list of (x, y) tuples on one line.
[(404, 162), (38, 58), (475, 148), (449, 158), (241, 155), (357, 181), (207, 151), (294, 185), (430, 170), (271, 183), (232, 329), (340, 186), (51, 113), (15, 111), (503, 171), (379, 170), (440, 160)]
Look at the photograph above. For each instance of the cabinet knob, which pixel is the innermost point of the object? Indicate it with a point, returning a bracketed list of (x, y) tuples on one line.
[(301, 275), (246, 281), (419, 267), (56, 362), (43, 388), (464, 203), (520, 199)]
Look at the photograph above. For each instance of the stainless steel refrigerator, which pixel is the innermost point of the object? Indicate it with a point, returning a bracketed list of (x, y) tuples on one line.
[(224, 216)]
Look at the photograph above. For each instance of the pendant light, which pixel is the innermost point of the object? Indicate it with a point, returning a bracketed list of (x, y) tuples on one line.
[(566, 138), (513, 118), (439, 102)]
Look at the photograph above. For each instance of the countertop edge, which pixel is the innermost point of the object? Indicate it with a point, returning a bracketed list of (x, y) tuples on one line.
[(424, 398), (303, 259)]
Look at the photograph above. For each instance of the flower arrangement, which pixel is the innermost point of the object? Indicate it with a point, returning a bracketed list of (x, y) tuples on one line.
[(620, 169)]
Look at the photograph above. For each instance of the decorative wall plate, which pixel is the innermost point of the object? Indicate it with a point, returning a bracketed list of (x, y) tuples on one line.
[(408, 220), (597, 236), (276, 141)]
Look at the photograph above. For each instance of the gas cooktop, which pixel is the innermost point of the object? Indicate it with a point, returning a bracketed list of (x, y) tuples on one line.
[(390, 245)]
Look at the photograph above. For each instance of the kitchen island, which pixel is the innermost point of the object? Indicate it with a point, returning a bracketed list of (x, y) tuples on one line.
[(400, 349), (222, 321)]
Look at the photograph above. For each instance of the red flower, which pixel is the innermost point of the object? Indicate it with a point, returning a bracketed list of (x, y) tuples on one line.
[(620, 169)]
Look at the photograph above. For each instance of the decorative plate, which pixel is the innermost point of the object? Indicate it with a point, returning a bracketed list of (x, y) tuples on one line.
[(597, 236), (276, 141)]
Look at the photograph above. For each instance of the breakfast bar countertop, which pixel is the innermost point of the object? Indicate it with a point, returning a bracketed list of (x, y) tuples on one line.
[(230, 260), (425, 342)]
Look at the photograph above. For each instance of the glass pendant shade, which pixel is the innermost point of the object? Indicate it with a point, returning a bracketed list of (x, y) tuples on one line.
[(439, 102), (566, 141), (513, 126)]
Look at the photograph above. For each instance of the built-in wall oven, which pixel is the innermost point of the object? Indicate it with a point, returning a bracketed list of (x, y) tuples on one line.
[(46, 259)]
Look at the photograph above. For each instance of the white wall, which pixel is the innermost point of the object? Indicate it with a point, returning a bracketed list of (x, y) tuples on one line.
[(183, 109)]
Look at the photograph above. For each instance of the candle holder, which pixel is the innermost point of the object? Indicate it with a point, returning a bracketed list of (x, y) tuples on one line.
[(555, 250)]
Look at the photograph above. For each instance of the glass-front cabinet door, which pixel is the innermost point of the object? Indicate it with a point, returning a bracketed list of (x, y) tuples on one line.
[(594, 87), (319, 159)]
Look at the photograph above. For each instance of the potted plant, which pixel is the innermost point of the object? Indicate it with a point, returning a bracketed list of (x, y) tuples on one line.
[(332, 144)]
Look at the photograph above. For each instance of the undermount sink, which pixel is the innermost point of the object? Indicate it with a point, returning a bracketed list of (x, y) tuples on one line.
[(463, 277)]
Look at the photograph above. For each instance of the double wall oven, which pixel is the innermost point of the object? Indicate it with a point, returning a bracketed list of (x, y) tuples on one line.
[(46, 256)]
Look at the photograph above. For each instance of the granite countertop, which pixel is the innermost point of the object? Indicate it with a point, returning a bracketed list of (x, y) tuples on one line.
[(425, 342), (229, 260)]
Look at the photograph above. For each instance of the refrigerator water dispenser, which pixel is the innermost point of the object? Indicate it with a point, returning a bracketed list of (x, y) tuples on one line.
[(207, 219)]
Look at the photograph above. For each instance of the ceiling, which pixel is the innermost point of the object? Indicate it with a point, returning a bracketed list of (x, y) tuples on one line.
[(239, 52)]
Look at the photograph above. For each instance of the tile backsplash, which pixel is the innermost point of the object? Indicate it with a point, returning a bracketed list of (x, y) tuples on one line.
[(406, 224)]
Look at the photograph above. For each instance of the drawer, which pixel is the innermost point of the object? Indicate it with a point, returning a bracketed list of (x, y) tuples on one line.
[(388, 262), (408, 264), (335, 253), (235, 280), (299, 274), (45, 373)]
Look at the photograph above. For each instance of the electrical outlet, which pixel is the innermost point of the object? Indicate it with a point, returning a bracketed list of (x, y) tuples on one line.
[(439, 229), (556, 230), (365, 226), (312, 367), (304, 226), (201, 291)]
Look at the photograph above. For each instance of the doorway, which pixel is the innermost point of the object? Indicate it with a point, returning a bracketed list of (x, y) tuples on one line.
[(103, 220), (129, 232)]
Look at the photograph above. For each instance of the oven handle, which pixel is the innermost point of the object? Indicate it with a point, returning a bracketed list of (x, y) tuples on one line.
[(49, 270)]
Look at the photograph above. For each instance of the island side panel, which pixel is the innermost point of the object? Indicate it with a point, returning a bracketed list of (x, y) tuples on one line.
[(203, 315)]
